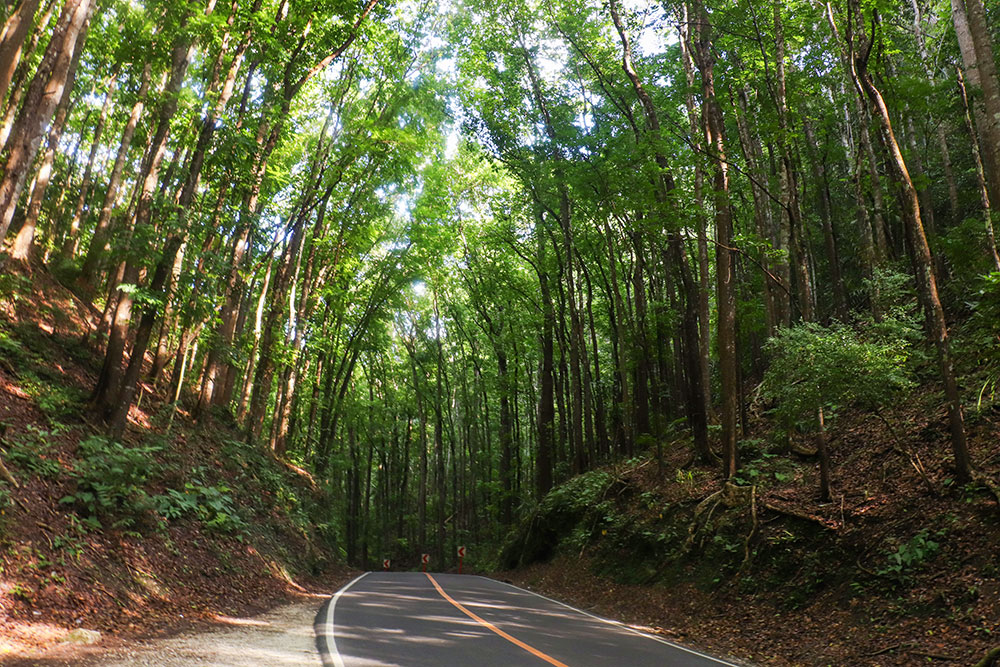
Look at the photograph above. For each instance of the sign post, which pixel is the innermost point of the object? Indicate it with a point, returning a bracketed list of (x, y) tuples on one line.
[(385, 564), (424, 559), (461, 555)]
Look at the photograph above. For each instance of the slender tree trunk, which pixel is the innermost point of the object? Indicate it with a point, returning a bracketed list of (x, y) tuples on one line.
[(984, 194), (21, 249), (14, 31), (72, 241), (725, 270), (975, 45), (17, 85), (40, 103), (546, 408), (937, 326), (109, 387), (130, 381), (95, 251)]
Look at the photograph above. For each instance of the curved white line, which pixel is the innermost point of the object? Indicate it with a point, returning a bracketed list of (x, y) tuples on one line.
[(338, 661), (618, 624)]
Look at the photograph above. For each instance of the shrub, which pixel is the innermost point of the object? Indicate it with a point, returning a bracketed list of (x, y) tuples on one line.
[(909, 555), (109, 481), (211, 505), (28, 451), (815, 367)]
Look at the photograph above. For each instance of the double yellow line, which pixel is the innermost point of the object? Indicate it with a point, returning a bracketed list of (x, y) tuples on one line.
[(513, 640)]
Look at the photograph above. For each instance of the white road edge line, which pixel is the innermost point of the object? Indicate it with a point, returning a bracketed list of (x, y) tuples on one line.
[(618, 624), (331, 638)]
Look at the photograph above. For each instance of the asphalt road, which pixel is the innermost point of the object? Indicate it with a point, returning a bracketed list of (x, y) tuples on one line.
[(413, 619)]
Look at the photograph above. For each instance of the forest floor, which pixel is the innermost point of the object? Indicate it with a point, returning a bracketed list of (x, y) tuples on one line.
[(239, 540), (901, 568)]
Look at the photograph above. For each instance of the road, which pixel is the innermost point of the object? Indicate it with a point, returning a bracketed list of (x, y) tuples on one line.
[(413, 619)]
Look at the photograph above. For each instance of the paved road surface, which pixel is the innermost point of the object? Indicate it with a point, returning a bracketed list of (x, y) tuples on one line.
[(412, 619)]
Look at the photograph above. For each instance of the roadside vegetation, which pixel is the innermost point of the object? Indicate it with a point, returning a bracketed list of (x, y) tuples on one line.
[(697, 296)]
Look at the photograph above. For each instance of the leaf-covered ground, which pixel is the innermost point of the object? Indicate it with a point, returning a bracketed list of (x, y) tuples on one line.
[(215, 529), (900, 569)]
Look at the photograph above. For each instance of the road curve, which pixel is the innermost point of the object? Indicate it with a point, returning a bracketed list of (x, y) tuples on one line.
[(411, 619)]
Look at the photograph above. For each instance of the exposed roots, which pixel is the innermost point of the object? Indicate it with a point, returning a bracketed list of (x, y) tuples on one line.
[(753, 529), (801, 515), (991, 659), (5, 474), (989, 484), (730, 496)]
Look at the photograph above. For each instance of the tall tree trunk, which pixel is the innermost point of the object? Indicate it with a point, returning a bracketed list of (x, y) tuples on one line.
[(71, 243), (14, 31), (439, 407), (126, 395), (546, 408), (21, 249), (725, 270), (976, 48), (95, 251), (936, 324), (24, 67), (822, 180), (663, 186), (984, 194), (40, 103), (109, 387)]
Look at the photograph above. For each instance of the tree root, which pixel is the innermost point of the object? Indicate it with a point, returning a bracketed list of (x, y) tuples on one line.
[(800, 515), (933, 656), (5, 474), (919, 467), (696, 524), (991, 659), (753, 529), (882, 650), (730, 495), (988, 483)]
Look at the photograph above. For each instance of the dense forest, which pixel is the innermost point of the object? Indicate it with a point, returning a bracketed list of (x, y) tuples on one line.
[(444, 257)]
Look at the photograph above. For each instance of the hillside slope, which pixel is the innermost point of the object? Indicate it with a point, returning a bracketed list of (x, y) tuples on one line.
[(176, 525), (900, 569)]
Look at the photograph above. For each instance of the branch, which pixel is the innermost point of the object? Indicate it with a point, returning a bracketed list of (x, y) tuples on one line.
[(777, 281), (321, 65)]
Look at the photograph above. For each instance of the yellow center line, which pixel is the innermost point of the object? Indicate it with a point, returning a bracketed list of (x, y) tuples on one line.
[(513, 640)]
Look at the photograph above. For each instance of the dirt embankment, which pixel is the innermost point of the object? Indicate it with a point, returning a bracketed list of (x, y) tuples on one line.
[(179, 525), (900, 569)]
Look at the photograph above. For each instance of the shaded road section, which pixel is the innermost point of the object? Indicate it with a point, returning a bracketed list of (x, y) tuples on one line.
[(414, 620)]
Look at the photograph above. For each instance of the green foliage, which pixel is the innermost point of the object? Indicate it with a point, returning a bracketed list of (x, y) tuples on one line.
[(815, 367), (893, 295), (211, 505), (979, 342), (765, 469), (965, 245), (30, 451), (57, 401), (576, 507), (14, 287), (909, 555), (110, 479)]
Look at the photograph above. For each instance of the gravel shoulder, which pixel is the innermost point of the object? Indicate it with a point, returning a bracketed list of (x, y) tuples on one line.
[(280, 637), (283, 636)]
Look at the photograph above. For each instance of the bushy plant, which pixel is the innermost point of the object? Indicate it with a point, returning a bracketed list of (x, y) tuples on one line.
[(110, 480), (29, 451), (909, 555), (980, 342), (211, 505), (815, 367)]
